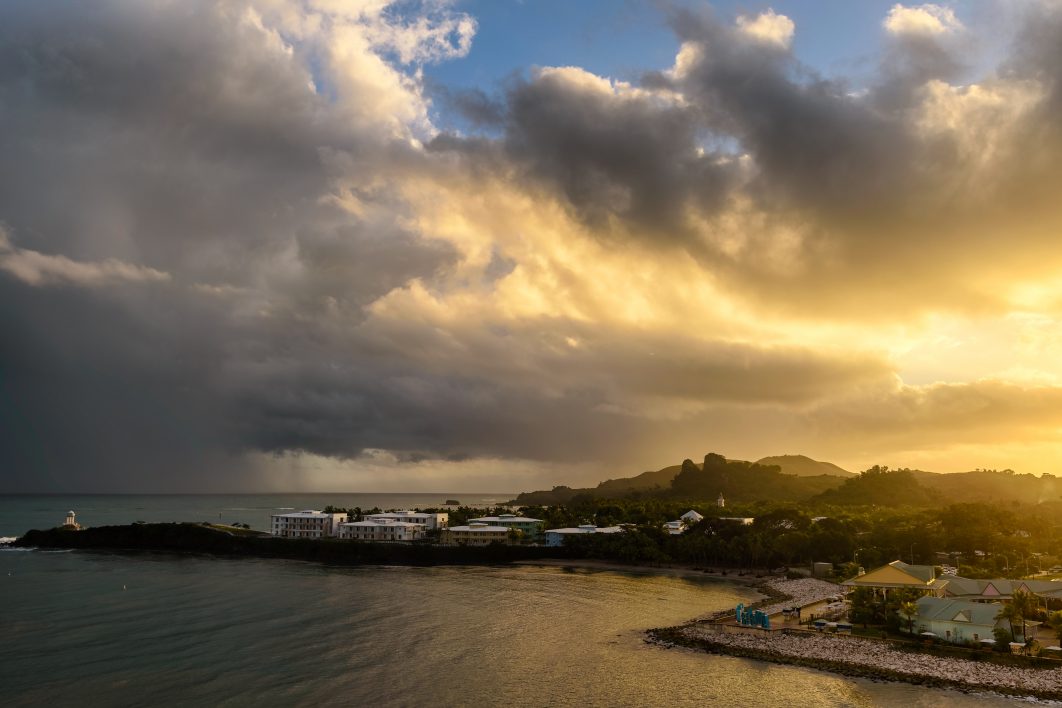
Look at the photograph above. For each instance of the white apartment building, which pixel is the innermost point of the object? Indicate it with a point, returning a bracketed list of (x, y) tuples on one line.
[(381, 530), (430, 520), (475, 534), (531, 527), (306, 524), (555, 537)]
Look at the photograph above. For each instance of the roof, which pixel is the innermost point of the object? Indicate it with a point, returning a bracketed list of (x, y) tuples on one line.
[(408, 513), (946, 610), (691, 515), (388, 523), (507, 518), (480, 529), (957, 586), (587, 529), (896, 575), (310, 513)]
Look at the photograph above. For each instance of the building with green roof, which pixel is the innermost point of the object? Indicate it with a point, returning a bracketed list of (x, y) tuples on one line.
[(957, 621)]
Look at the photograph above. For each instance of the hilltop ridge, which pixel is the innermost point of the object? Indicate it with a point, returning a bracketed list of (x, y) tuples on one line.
[(804, 466), (798, 478)]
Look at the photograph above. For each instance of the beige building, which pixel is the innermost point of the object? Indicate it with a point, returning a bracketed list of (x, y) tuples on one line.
[(306, 524), (531, 528), (556, 537), (897, 575), (475, 534), (430, 520), (381, 531)]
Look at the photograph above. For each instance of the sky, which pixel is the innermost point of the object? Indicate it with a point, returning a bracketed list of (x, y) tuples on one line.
[(494, 245)]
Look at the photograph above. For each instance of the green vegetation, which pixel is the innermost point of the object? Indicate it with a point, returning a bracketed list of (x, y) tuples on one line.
[(865, 520), (795, 478), (988, 523), (803, 466)]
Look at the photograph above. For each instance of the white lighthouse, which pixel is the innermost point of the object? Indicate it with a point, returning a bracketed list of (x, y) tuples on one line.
[(70, 521), (720, 502)]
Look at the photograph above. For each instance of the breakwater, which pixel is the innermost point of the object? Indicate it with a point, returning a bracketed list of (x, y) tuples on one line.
[(851, 656)]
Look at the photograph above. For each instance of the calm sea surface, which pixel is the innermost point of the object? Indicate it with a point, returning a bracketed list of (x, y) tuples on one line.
[(98, 629)]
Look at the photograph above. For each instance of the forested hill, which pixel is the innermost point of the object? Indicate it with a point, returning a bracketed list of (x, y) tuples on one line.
[(803, 466), (880, 486), (992, 485), (736, 480), (787, 480)]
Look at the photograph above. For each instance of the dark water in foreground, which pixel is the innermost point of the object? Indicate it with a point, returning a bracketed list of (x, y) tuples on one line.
[(144, 630)]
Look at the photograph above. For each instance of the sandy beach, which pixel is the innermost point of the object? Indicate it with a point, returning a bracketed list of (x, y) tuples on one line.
[(676, 571)]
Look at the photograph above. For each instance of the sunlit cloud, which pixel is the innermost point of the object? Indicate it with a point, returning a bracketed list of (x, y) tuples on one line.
[(292, 269)]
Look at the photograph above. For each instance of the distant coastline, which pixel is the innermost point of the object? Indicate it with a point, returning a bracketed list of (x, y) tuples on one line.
[(201, 538)]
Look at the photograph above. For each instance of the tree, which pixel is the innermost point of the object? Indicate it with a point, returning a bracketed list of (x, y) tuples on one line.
[(1054, 621), (910, 611), (1024, 608), (1009, 613)]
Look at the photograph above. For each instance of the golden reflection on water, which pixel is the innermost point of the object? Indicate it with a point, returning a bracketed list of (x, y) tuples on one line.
[(196, 631)]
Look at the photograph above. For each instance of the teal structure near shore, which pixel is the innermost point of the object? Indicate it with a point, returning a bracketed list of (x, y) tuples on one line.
[(751, 618)]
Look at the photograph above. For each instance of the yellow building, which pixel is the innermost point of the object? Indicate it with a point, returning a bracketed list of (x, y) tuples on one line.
[(896, 575)]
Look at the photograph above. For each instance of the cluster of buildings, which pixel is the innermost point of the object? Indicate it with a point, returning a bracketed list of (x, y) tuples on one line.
[(952, 608), (389, 526), (405, 526), (400, 526)]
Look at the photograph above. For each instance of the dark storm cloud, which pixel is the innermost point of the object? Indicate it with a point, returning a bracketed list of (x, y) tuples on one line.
[(814, 145), (165, 230), (633, 157), (910, 181), (211, 243)]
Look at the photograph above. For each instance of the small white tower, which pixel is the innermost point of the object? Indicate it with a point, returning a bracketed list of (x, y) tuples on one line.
[(720, 502), (71, 521)]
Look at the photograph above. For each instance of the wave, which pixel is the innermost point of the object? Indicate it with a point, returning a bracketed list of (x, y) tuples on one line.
[(7, 539)]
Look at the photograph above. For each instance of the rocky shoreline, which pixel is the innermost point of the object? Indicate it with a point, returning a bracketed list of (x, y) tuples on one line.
[(866, 658)]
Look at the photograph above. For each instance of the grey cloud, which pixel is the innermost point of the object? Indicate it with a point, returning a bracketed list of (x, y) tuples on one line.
[(877, 211), (630, 157), (35, 268), (179, 144), (177, 139)]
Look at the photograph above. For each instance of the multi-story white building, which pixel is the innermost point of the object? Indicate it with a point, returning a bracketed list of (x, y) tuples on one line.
[(381, 530), (555, 537), (306, 524), (475, 534), (430, 520), (531, 527)]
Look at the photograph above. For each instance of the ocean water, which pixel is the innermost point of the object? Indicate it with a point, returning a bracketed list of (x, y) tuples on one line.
[(153, 629), (98, 629), (19, 513)]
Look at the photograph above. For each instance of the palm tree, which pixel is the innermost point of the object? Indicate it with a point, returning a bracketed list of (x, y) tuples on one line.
[(909, 610), (1025, 608), (1009, 613)]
